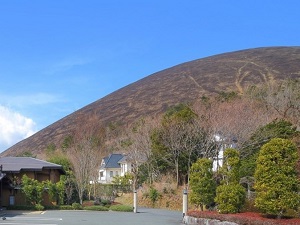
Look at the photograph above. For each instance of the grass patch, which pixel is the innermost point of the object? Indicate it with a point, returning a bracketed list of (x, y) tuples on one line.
[(121, 208)]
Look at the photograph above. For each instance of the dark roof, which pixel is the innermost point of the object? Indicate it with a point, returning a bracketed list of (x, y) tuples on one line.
[(124, 159), (18, 164), (112, 161)]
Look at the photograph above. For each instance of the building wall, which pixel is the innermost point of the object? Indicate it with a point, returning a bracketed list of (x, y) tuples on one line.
[(125, 168), (108, 175), (13, 195)]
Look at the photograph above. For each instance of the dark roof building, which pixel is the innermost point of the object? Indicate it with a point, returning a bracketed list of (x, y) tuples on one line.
[(22, 164), (12, 170), (111, 161)]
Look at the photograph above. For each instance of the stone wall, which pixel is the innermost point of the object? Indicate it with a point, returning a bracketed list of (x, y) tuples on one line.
[(203, 221)]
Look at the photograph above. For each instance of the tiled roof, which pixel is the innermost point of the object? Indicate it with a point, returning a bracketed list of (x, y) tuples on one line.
[(18, 164), (123, 159), (112, 161)]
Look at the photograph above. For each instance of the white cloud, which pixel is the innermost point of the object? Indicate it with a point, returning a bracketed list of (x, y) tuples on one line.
[(65, 65), (14, 127), (30, 99)]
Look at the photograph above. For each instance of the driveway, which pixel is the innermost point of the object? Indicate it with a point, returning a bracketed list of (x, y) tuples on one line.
[(145, 216)]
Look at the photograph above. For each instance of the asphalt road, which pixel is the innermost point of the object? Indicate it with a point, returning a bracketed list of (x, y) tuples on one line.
[(144, 216)]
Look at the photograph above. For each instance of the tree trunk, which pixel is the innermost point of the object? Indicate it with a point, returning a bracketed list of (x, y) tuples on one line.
[(177, 172)]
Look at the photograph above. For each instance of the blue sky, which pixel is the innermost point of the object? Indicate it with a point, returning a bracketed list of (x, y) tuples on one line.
[(57, 56)]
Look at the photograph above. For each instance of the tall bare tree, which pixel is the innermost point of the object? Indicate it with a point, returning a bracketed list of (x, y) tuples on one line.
[(84, 154), (172, 138), (137, 146), (178, 138), (196, 143), (232, 122), (284, 98)]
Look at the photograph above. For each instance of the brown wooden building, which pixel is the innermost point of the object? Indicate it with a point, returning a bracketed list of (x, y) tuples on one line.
[(12, 170)]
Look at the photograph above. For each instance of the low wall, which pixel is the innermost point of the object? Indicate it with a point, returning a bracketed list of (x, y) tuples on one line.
[(203, 221)]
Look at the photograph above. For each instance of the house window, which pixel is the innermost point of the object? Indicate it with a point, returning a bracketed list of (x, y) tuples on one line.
[(101, 174), (111, 173), (117, 173)]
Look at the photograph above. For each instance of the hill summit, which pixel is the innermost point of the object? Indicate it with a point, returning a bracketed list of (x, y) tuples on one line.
[(183, 83)]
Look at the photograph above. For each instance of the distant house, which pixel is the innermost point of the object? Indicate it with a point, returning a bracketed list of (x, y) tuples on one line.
[(111, 166), (12, 170), (218, 160)]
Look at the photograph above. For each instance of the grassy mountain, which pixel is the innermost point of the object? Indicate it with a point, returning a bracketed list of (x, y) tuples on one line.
[(186, 82)]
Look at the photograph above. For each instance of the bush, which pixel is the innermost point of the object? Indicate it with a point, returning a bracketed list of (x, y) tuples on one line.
[(97, 202), (33, 190), (20, 207), (66, 207), (87, 203), (154, 195), (202, 184), (277, 184), (230, 198), (96, 208), (105, 202), (76, 206), (249, 206), (51, 207), (39, 207), (121, 208)]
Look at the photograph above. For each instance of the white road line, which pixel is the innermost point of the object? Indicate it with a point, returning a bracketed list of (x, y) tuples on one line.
[(31, 223), (32, 218)]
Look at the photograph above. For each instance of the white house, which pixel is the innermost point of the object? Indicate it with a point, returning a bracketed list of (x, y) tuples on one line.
[(126, 166), (222, 145), (111, 166)]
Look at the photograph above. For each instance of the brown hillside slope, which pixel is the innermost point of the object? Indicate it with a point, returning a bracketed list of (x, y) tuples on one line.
[(182, 83)]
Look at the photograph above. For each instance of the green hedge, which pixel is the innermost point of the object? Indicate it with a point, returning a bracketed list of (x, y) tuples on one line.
[(121, 208), (66, 207), (96, 208), (75, 206), (21, 207), (52, 207)]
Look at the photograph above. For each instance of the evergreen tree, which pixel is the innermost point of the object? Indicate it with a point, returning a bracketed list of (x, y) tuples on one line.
[(231, 166), (202, 183), (250, 150), (276, 181), (230, 195)]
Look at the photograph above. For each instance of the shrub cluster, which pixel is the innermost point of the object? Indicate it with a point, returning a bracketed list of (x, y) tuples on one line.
[(96, 208), (21, 207), (74, 206), (65, 207), (121, 208)]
